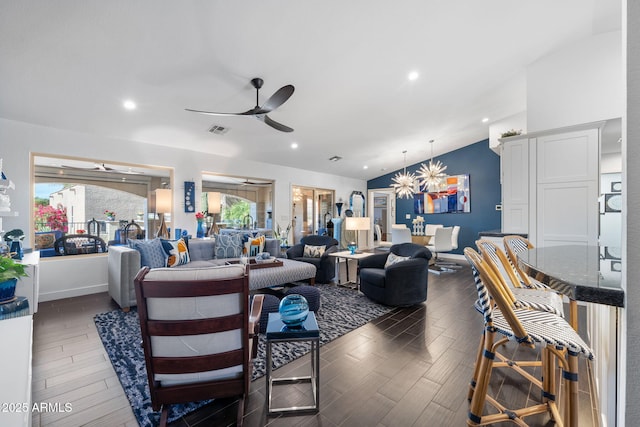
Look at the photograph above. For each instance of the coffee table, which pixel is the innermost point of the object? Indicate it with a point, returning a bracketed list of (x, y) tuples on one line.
[(277, 332)]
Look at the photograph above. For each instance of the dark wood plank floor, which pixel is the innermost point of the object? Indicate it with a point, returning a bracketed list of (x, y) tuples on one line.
[(410, 367)]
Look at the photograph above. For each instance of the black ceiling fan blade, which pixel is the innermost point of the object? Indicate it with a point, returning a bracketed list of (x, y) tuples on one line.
[(274, 124), (212, 113), (277, 99)]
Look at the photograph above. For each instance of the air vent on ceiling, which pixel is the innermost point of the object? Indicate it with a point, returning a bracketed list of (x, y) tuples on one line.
[(218, 130), (334, 158)]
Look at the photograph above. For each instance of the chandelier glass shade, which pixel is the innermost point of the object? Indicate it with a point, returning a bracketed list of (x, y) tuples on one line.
[(432, 177), (404, 183)]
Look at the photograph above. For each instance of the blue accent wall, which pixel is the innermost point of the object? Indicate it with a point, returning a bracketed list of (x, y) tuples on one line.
[(483, 167)]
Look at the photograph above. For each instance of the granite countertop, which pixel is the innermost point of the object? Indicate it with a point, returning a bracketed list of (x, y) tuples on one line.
[(498, 233)]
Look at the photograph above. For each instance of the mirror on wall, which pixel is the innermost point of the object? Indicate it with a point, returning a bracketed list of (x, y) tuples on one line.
[(91, 196), (244, 202)]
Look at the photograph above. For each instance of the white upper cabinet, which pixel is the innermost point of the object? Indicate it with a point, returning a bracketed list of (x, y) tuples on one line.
[(550, 186)]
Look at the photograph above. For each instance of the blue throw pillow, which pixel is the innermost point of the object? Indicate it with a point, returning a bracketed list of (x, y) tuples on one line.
[(228, 245), (151, 253)]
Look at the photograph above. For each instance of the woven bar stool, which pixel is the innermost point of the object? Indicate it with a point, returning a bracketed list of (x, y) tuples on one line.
[(515, 245), (533, 298), (529, 328)]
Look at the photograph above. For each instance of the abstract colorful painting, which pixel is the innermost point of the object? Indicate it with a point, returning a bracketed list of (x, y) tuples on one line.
[(452, 197)]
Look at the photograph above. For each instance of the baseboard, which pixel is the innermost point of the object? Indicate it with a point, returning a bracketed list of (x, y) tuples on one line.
[(76, 292)]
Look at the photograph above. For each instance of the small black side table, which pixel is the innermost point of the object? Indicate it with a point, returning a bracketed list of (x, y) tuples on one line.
[(277, 332)]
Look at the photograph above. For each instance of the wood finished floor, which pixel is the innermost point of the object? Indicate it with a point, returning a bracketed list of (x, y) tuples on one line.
[(410, 367)]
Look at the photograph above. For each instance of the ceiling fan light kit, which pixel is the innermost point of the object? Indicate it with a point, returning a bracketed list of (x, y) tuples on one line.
[(260, 112)]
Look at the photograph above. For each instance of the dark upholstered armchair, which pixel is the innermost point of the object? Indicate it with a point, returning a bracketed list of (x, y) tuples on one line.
[(401, 284), (325, 266)]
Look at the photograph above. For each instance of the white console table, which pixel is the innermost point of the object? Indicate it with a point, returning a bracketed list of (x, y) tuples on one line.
[(16, 357)]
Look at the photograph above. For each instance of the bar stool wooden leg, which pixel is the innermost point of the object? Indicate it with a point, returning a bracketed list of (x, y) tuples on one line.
[(484, 375), (476, 367), (573, 314)]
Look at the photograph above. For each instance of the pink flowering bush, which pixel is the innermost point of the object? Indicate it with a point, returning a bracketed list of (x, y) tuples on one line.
[(50, 218)]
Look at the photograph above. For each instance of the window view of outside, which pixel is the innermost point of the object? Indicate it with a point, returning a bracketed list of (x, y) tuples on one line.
[(68, 209), (235, 210)]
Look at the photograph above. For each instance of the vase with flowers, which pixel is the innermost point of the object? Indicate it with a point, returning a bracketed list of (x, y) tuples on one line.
[(111, 215), (201, 231)]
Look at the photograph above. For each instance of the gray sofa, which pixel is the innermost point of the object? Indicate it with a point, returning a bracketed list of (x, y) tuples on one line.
[(124, 264)]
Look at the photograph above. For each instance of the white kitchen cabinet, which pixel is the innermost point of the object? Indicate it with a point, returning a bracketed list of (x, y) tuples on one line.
[(550, 185)]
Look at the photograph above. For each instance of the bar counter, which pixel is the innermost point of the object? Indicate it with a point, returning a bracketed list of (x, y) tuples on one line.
[(583, 273)]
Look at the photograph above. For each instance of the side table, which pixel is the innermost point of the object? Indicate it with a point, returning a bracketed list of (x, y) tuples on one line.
[(347, 255), (277, 332)]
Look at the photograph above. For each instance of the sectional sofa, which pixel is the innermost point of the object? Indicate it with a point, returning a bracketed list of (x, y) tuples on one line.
[(124, 263)]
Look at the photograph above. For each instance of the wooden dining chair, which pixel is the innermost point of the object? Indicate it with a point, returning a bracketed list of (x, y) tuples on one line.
[(552, 335), (196, 333)]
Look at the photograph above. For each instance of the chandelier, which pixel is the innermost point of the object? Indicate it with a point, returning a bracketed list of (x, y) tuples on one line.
[(431, 177), (404, 183)]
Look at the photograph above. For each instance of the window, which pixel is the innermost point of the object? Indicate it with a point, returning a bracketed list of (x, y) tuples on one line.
[(74, 196)]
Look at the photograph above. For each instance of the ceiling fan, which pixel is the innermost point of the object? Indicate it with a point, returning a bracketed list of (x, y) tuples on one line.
[(260, 112), (256, 183), (101, 167)]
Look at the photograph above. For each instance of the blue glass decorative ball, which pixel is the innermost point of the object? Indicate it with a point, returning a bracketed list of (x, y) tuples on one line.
[(294, 310)]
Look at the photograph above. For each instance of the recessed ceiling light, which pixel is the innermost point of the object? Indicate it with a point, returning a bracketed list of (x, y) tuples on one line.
[(294, 145), (365, 167), (413, 75), (129, 105), (485, 120)]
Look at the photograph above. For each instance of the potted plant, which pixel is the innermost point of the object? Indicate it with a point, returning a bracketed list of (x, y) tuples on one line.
[(10, 272)]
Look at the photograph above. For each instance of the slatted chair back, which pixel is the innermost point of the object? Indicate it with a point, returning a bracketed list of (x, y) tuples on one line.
[(489, 249), (195, 333), (515, 245), (498, 296), (483, 303)]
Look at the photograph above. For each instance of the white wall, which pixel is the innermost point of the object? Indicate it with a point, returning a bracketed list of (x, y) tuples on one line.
[(581, 83), (18, 140)]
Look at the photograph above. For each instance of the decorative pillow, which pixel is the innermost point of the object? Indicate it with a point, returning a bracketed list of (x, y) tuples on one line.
[(177, 252), (394, 259), (254, 245), (313, 251), (151, 253), (45, 240), (228, 245)]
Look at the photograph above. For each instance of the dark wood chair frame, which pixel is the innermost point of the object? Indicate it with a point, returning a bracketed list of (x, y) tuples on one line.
[(162, 397)]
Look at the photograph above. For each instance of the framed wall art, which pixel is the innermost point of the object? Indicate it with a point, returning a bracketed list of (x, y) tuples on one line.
[(189, 196), (452, 197)]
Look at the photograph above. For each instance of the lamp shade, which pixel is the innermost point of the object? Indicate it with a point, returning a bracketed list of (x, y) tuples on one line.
[(213, 202), (357, 223), (163, 200)]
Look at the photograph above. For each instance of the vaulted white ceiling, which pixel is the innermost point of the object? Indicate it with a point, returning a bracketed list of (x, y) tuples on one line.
[(70, 65)]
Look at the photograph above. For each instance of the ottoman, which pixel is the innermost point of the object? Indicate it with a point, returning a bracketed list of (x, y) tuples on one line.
[(270, 304), (311, 293)]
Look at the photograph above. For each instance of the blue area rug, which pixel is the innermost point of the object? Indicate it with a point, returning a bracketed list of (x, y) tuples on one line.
[(342, 310)]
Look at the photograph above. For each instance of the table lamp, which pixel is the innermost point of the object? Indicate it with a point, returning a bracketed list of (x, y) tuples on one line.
[(163, 206), (357, 224), (213, 208)]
